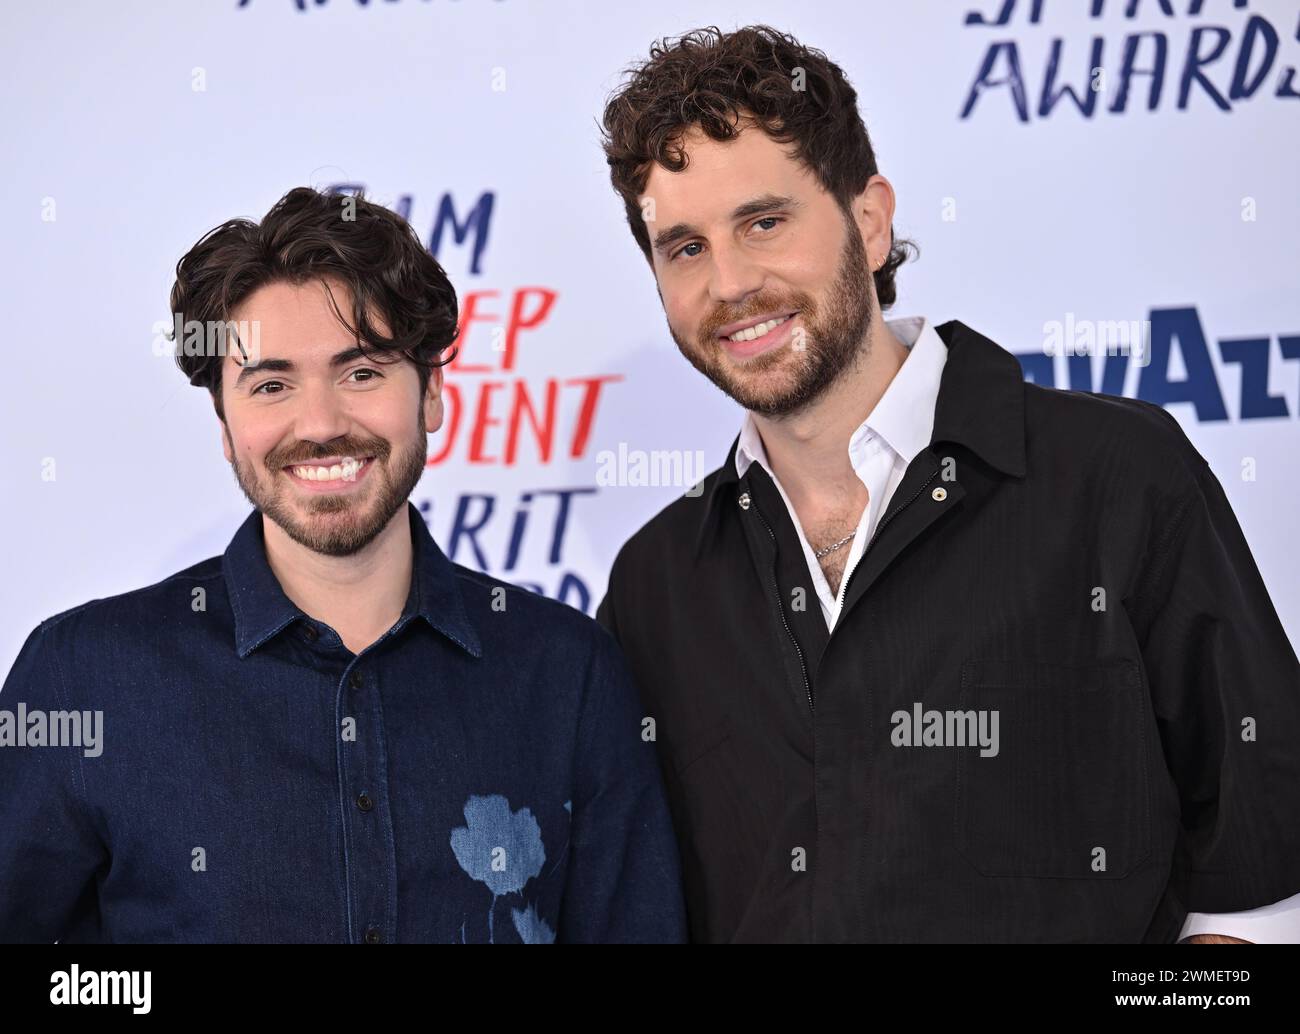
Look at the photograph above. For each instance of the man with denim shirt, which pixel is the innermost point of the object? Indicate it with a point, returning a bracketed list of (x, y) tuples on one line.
[(331, 733)]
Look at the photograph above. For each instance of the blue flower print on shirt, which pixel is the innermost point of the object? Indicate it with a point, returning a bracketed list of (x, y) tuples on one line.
[(532, 928), (500, 848)]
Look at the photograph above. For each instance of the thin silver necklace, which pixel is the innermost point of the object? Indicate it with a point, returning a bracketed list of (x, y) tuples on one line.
[(832, 548)]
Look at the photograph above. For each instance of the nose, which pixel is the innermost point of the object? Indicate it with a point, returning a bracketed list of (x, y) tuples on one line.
[(733, 275), (322, 416)]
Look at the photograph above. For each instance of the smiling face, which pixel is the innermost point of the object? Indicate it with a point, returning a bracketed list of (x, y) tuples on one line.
[(327, 442), (746, 236)]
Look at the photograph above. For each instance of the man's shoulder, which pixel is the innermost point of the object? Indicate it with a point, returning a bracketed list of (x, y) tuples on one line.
[(669, 538), (113, 632), (1127, 436), (146, 606), (517, 609)]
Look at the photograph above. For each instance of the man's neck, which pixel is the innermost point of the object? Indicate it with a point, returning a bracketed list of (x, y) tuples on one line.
[(809, 452), (359, 596)]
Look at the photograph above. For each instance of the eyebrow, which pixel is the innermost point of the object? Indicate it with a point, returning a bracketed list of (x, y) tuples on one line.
[(288, 366), (758, 206)]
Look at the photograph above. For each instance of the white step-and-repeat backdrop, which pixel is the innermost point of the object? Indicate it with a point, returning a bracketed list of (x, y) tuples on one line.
[(1065, 164)]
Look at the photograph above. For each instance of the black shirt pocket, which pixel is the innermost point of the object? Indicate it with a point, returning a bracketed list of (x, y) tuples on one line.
[(1066, 794)]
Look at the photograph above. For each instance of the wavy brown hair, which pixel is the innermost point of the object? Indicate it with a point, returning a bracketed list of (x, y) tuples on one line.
[(305, 236), (714, 80)]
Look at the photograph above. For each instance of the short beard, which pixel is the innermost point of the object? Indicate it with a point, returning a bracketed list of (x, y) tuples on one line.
[(833, 341), (370, 517)]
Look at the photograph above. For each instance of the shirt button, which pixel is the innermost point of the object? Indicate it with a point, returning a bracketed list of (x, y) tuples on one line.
[(309, 634), (373, 936), (744, 500), (354, 680), (364, 802), (939, 494)]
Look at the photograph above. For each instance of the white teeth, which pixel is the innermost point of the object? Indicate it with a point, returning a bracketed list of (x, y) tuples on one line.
[(749, 333), (338, 472)]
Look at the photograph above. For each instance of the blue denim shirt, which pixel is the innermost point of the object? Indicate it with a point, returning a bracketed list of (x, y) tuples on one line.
[(476, 774)]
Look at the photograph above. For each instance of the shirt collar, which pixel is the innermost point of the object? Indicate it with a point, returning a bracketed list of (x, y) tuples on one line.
[(980, 405), (262, 609), (903, 418)]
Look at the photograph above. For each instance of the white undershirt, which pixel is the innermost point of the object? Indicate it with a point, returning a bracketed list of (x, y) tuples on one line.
[(880, 449)]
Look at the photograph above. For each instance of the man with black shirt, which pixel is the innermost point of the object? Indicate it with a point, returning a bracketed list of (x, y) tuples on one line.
[(935, 654)]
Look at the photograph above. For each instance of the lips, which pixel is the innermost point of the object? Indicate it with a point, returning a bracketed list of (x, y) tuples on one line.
[(350, 472), (774, 338), (735, 328), (326, 461)]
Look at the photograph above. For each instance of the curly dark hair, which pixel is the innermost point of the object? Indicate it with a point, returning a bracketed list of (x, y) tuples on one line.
[(304, 237), (714, 80)]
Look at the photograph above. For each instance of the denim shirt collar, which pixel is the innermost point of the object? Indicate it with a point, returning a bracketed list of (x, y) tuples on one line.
[(262, 610)]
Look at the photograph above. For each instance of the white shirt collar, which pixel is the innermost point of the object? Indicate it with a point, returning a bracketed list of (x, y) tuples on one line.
[(903, 418)]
